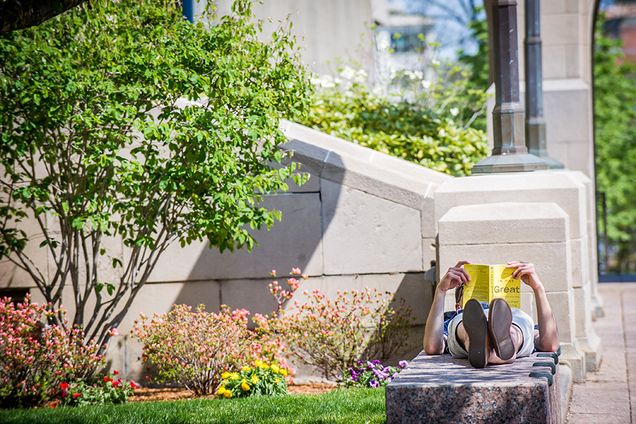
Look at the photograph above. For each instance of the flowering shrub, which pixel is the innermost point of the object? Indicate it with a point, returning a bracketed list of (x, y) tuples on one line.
[(260, 379), (332, 334), (193, 348), (111, 389), (371, 374), (35, 359), (429, 122)]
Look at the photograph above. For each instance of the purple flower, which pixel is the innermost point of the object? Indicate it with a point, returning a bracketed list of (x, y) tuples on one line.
[(375, 361), (379, 374), (373, 383), (402, 364)]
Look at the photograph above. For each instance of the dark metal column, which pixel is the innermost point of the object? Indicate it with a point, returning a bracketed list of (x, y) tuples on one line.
[(509, 153), (535, 124)]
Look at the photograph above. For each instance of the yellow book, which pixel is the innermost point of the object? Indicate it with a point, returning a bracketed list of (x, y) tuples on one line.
[(488, 282)]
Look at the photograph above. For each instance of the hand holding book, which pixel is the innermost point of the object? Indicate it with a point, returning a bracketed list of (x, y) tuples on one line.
[(488, 282)]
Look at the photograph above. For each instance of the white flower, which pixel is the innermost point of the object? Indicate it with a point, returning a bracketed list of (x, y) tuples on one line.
[(454, 111), (324, 81), (426, 84), (435, 62), (348, 73), (442, 132), (418, 74), (360, 76)]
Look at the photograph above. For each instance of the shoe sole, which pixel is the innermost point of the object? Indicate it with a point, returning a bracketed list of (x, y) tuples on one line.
[(477, 329), (499, 322)]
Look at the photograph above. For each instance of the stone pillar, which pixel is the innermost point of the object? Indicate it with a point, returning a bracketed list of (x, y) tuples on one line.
[(571, 293), (535, 123)]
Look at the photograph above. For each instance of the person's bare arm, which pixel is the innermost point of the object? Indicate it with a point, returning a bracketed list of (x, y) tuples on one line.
[(434, 329), (548, 338)]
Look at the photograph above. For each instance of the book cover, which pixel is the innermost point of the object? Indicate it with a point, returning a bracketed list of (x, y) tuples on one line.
[(488, 282)]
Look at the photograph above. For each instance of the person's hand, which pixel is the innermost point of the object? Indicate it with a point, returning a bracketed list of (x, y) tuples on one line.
[(454, 277), (526, 272)]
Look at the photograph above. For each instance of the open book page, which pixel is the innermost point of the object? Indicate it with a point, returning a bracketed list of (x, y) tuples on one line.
[(504, 286), (479, 285)]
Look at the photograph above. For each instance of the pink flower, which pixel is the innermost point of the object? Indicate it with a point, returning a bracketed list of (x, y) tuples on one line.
[(113, 332), (295, 271)]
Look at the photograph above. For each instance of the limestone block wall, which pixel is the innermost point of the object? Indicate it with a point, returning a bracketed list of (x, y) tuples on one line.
[(364, 219)]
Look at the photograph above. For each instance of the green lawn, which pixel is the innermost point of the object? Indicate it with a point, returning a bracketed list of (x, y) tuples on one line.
[(339, 406)]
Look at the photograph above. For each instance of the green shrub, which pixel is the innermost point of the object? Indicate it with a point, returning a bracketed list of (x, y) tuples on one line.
[(426, 122)]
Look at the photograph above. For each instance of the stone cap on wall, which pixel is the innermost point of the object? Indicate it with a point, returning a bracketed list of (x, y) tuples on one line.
[(506, 222), (361, 168), (528, 187)]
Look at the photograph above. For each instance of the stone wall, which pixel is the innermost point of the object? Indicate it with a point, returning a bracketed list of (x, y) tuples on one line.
[(364, 219)]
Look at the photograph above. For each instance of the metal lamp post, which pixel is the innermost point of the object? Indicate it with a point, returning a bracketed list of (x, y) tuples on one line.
[(509, 153), (535, 124)]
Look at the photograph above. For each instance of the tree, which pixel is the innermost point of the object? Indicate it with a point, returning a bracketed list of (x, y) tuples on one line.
[(615, 133), (18, 14), (124, 121)]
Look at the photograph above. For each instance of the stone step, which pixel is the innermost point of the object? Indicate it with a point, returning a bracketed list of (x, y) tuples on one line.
[(442, 389)]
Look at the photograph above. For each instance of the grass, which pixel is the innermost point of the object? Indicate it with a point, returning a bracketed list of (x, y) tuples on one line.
[(339, 406)]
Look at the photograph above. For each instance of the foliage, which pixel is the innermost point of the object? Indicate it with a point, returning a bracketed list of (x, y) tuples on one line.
[(336, 407), (332, 334), (36, 358), (422, 121), (193, 348), (258, 380), (477, 63), (122, 122), (111, 389), (615, 132), (371, 374)]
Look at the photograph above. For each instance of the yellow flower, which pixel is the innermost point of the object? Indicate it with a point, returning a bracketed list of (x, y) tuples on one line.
[(234, 376), (245, 386), (255, 379), (225, 375), (258, 363), (227, 394), (275, 368), (245, 368), (283, 372), (276, 381), (263, 366), (221, 390)]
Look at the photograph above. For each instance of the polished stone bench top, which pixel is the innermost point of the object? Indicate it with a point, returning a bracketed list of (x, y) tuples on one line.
[(439, 388)]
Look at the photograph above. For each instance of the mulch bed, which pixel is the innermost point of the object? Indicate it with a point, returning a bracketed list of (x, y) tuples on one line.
[(165, 394)]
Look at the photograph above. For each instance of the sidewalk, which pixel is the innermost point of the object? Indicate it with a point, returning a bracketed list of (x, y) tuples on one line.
[(609, 395)]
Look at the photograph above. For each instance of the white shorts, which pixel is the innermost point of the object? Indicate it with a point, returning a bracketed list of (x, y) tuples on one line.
[(519, 318)]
